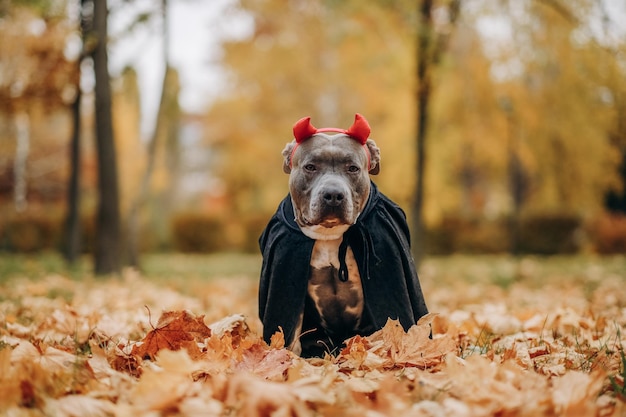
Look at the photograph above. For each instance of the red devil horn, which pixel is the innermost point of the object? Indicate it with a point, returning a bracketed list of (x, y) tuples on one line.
[(360, 129), (303, 129)]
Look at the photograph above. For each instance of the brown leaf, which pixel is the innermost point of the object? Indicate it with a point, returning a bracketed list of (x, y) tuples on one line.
[(268, 364), (50, 358), (359, 354), (174, 330), (277, 341), (575, 393), (414, 348), (254, 397), (79, 406), (162, 387), (234, 326), (121, 360)]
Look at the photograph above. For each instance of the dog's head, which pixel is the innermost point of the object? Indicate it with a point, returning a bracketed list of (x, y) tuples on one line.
[(329, 176)]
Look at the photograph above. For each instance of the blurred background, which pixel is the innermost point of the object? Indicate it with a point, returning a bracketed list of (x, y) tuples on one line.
[(501, 123)]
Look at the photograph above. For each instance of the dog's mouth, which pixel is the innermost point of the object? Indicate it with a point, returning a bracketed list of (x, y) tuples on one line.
[(332, 222), (326, 229), (328, 222)]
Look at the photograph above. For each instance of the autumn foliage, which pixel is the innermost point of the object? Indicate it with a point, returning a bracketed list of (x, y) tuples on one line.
[(530, 347)]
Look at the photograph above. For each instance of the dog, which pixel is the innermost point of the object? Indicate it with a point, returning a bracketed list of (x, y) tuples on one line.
[(336, 254)]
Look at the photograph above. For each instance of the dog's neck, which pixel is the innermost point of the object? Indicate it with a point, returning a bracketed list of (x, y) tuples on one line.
[(319, 232)]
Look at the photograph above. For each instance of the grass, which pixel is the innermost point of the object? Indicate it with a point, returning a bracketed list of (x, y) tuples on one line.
[(502, 271), (158, 266), (617, 381), (36, 266), (201, 266), (586, 271)]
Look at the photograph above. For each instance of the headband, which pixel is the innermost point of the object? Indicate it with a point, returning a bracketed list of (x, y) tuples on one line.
[(359, 131)]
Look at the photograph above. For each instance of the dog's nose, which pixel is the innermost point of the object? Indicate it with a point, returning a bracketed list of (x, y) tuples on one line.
[(333, 197)]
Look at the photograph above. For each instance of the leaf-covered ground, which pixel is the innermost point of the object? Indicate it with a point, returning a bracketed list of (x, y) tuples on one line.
[(510, 337)]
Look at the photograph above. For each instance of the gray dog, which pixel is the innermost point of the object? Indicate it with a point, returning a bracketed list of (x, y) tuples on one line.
[(336, 255)]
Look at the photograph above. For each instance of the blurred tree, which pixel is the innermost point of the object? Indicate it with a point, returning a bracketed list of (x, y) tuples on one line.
[(469, 129), (521, 112), (164, 135), (302, 59), (525, 113), (561, 107), (130, 148), (615, 198), (431, 43), (35, 74), (72, 227), (168, 169), (108, 234)]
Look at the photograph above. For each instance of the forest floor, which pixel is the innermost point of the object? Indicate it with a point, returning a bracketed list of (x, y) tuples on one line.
[(510, 336)]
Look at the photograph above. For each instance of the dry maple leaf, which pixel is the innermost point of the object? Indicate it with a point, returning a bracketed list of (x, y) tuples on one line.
[(174, 330), (250, 396), (277, 341), (50, 358), (268, 364), (575, 393), (164, 384), (234, 326), (359, 355), (121, 360), (79, 406), (413, 348)]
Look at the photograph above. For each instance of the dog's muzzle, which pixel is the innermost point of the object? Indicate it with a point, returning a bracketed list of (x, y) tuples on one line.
[(331, 205)]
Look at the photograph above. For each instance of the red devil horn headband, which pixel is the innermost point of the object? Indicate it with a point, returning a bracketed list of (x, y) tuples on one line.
[(360, 129)]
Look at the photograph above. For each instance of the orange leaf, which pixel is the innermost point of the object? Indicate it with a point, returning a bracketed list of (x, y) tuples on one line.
[(414, 348), (174, 330), (268, 364), (277, 341)]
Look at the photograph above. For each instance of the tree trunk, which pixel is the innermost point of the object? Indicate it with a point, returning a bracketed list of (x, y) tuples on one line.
[(72, 233), (22, 149), (423, 87), (133, 226), (72, 221), (430, 45), (107, 245)]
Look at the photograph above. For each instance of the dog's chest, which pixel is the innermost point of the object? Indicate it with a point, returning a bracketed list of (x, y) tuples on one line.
[(339, 303)]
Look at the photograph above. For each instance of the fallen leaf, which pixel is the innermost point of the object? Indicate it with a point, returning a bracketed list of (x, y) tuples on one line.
[(415, 347), (50, 358), (267, 364), (253, 397), (174, 330), (163, 385), (234, 326), (79, 406), (575, 393)]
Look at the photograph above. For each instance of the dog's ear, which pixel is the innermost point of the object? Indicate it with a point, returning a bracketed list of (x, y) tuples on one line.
[(374, 156), (287, 153)]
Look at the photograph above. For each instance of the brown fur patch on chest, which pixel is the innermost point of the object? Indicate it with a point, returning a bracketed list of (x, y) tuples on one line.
[(339, 304)]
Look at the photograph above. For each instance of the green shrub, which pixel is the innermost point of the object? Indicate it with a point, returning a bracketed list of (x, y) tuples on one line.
[(198, 232), (467, 235), (484, 236), (87, 233), (254, 226), (543, 234), (31, 232), (550, 234), (440, 239), (608, 234)]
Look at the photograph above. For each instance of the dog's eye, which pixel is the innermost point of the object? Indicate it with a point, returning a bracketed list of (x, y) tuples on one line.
[(310, 168), (353, 168)]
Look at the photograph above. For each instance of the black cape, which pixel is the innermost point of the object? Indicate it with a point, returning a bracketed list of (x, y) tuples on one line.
[(380, 242)]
